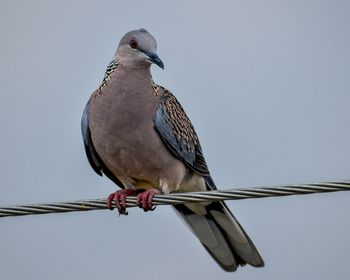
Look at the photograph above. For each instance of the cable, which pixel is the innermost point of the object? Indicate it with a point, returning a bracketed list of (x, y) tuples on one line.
[(171, 199)]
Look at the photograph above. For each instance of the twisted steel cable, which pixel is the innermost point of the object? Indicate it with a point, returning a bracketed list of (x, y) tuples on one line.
[(171, 199)]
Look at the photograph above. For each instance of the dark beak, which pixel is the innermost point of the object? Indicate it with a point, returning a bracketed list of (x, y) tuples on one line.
[(154, 58)]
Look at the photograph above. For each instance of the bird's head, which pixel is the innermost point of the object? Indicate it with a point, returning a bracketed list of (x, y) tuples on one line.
[(138, 48)]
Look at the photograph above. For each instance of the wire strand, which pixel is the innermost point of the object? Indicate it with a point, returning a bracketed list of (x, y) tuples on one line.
[(177, 198)]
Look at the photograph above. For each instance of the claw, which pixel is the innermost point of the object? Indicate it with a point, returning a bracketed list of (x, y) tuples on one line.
[(109, 201), (145, 199), (119, 198)]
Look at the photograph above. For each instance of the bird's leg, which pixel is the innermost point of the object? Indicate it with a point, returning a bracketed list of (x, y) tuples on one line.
[(119, 197), (145, 199)]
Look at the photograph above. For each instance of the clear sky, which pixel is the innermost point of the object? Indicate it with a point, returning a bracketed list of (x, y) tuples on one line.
[(267, 86)]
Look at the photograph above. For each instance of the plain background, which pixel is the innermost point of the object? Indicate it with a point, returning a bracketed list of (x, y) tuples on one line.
[(266, 84)]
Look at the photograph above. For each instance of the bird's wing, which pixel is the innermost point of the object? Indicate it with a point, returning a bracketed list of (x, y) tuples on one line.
[(177, 132), (218, 230), (94, 159)]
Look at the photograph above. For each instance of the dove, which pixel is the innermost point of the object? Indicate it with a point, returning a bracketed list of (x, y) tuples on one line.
[(137, 134)]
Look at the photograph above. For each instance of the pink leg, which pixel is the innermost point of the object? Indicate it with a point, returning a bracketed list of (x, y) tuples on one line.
[(119, 197), (144, 199)]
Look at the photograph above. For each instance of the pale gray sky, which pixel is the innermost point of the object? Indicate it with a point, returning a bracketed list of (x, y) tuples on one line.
[(266, 84)]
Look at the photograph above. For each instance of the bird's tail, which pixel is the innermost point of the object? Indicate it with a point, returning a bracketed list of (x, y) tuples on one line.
[(222, 236)]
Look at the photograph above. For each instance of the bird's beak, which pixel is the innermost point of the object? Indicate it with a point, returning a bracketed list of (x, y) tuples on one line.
[(154, 58)]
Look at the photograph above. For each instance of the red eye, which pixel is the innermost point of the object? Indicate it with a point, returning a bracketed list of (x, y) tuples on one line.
[(133, 44)]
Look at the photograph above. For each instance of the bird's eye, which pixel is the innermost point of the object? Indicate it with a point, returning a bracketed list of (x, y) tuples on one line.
[(133, 44)]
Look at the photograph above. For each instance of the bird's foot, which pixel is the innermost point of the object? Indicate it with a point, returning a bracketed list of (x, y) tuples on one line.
[(145, 199), (119, 197)]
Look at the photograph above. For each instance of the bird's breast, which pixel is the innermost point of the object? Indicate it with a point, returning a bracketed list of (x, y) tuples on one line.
[(122, 130)]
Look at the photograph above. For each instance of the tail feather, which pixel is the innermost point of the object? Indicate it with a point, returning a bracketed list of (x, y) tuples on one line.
[(222, 236)]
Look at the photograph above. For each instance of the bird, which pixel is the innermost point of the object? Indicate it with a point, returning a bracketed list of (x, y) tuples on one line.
[(136, 133)]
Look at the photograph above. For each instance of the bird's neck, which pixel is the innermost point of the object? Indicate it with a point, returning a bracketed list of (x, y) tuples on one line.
[(128, 78), (137, 71), (131, 64)]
